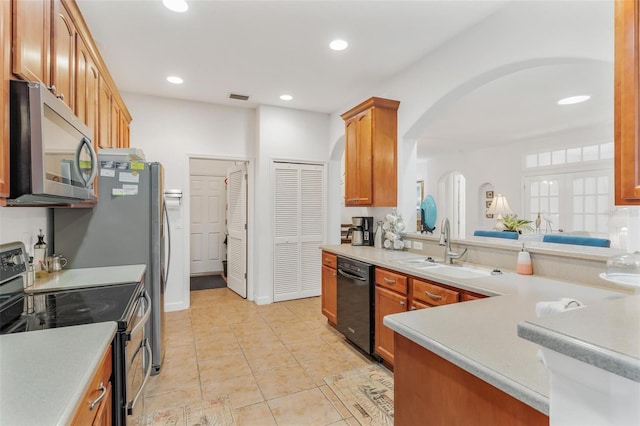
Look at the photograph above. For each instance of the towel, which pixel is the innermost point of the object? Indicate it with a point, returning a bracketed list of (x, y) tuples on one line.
[(544, 309)]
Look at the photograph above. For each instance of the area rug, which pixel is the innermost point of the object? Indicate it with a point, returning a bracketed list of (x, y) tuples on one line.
[(206, 282), (367, 392), (216, 412)]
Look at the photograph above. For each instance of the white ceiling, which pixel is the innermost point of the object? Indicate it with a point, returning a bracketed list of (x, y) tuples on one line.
[(266, 48)]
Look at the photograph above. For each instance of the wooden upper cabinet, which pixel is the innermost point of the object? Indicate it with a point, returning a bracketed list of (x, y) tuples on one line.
[(63, 50), (371, 133), (5, 60), (32, 40), (86, 87), (104, 115), (627, 103)]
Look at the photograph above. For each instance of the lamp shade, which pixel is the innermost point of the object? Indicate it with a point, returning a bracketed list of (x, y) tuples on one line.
[(500, 206)]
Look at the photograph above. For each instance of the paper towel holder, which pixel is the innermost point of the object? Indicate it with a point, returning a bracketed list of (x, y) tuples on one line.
[(173, 196)]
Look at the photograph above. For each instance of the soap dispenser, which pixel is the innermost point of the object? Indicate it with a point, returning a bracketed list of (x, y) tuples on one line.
[(524, 262)]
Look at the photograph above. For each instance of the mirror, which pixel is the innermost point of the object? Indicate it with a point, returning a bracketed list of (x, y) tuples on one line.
[(503, 130)]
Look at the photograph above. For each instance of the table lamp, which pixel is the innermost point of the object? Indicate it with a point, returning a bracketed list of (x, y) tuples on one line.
[(499, 207)]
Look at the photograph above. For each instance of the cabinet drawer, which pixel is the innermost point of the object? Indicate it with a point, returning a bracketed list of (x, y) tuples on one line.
[(329, 260), (433, 294), (391, 280), (100, 385)]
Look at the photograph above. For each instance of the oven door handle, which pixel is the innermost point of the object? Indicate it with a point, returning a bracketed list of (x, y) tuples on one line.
[(147, 373), (350, 276), (145, 317)]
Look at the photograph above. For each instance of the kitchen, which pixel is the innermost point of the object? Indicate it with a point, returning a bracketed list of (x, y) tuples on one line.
[(270, 132)]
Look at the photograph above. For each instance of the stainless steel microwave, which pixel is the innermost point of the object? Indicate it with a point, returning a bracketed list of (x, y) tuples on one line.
[(51, 153)]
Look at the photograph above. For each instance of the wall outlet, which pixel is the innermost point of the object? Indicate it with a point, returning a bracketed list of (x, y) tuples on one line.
[(417, 245), (407, 244)]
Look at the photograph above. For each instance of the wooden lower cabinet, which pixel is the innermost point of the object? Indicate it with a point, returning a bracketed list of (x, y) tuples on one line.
[(387, 302), (330, 295), (431, 390), (90, 412)]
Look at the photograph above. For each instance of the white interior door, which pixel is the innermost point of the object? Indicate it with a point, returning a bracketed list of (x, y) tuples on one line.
[(299, 223), (207, 224), (237, 229)]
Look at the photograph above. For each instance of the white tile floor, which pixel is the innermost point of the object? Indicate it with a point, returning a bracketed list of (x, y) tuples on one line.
[(270, 360)]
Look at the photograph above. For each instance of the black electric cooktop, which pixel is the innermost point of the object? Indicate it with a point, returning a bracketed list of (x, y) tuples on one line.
[(76, 307)]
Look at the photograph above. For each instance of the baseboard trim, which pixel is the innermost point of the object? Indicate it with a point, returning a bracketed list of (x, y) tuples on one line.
[(177, 306), (264, 300)]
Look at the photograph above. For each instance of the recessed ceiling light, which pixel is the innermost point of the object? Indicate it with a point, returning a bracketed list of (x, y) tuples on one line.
[(574, 100), (286, 97), (176, 5), (338, 45), (175, 79)]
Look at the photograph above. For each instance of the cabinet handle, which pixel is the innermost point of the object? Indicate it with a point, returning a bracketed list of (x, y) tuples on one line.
[(402, 303), (52, 89), (388, 281), (433, 296), (413, 308), (335, 275), (96, 401), (60, 96)]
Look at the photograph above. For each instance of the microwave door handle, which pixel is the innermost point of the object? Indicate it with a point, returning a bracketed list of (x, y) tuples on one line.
[(94, 161), (147, 373), (146, 315)]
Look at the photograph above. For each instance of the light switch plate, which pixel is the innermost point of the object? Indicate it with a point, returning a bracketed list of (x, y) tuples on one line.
[(407, 244), (417, 245)]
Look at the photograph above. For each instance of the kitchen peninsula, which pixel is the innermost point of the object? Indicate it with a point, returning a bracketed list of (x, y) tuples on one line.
[(476, 342)]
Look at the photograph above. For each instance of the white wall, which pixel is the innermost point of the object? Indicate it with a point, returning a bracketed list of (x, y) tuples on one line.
[(283, 134), (170, 131), (22, 224), (521, 35)]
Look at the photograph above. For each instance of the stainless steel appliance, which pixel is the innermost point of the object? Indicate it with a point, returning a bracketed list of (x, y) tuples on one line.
[(52, 146), (356, 302), (361, 231), (126, 227), (126, 304)]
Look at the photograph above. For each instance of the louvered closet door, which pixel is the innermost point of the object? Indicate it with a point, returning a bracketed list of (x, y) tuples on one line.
[(299, 218)]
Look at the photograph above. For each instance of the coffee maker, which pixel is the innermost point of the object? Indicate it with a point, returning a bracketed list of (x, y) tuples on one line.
[(361, 231)]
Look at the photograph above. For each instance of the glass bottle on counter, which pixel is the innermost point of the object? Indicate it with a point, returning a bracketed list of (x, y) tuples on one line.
[(377, 238), (31, 273), (40, 257)]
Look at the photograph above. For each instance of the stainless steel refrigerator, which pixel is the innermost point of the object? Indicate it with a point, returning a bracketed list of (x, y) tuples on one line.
[(126, 227)]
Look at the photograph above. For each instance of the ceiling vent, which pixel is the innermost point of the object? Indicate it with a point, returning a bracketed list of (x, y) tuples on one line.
[(238, 97)]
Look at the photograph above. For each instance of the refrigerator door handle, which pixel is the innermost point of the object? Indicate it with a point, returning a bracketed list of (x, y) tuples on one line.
[(168, 265)]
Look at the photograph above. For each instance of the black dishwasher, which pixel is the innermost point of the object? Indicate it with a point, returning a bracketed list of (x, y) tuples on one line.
[(356, 302)]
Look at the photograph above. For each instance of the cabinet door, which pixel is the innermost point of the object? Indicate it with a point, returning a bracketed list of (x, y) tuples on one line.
[(31, 40), (415, 305), (358, 160), (124, 131), (104, 114), (330, 295), (63, 54), (387, 303), (627, 103), (5, 39), (115, 124)]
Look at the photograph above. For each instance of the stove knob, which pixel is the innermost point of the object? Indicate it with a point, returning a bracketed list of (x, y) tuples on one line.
[(15, 260)]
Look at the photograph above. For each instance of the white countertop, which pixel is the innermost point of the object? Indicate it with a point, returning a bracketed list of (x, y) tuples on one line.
[(481, 336), (45, 373), (88, 277), (606, 335)]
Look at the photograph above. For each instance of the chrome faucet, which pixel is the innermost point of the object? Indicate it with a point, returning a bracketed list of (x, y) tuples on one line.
[(445, 240)]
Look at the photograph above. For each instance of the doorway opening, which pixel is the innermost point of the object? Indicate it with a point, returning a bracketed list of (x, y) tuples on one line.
[(218, 224)]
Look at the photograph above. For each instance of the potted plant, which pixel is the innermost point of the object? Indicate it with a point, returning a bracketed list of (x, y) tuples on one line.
[(513, 224)]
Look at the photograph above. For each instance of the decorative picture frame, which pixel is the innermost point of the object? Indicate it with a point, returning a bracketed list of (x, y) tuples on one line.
[(487, 203), (489, 215), (489, 195), (419, 193)]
